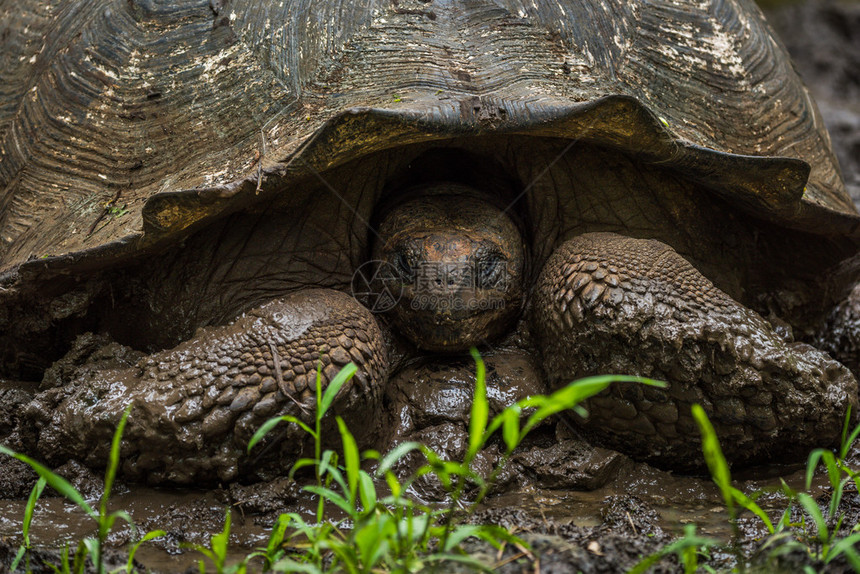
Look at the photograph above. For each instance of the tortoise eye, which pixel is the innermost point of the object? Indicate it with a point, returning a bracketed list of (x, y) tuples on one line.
[(403, 264), (491, 272)]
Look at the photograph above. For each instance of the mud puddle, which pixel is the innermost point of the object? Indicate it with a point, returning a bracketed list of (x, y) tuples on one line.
[(190, 517)]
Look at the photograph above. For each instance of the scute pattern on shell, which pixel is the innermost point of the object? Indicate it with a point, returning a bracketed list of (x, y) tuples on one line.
[(177, 100)]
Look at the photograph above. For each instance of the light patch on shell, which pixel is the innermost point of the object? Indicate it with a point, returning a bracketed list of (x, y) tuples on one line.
[(723, 50)]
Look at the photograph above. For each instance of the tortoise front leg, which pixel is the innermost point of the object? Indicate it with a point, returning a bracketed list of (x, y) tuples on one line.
[(607, 304), (196, 405)]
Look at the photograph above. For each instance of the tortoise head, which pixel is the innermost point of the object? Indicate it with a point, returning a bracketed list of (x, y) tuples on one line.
[(454, 263)]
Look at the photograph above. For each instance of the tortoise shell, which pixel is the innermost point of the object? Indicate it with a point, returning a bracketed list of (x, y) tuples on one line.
[(126, 123)]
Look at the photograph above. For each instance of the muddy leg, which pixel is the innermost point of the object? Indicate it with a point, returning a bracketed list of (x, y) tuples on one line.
[(840, 335), (607, 304), (196, 405)]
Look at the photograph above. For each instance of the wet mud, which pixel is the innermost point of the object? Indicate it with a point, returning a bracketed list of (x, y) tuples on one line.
[(607, 529)]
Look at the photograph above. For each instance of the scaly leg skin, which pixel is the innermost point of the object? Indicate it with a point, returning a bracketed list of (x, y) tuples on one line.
[(197, 405), (607, 304)]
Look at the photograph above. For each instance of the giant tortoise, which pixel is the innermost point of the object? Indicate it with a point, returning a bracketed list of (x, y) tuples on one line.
[(205, 200)]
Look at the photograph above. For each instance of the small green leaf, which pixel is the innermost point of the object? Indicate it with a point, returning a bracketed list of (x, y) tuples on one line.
[(21, 550), (394, 456), (55, 481), (219, 542), (511, 427), (847, 442), (91, 547), (366, 492), (459, 534), (30, 508), (113, 464), (811, 464), (267, 426), (714, 458), (480, 409), (332, 497), (750, 505), (350, 458), (334, 386), (814, 512), (152, 534), (846, 546)]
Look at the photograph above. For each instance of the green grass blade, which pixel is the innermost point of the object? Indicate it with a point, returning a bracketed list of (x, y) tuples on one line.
[(124, 515), (300, 464), (79, 561), (331, 496), (328, 466), (367, 492), (511, 427), (55, 481), (784, 520), (846, 546), (151, 535), (844, 434), (113, 460), (30, 508), (847, 440), (570, 396), (91, 547), (714, 458), (394, 455), (21, 551), (836, 498), (219, 543), (372, 541), (812, 462), (830, 463), (480, 409), (751, 505), (459, 534), (290, 565), (814, 512), (689, 540), (509, 421), (267, 426), (846, 444), (276, 537), (334, 386), (350, 459), (393, 485)]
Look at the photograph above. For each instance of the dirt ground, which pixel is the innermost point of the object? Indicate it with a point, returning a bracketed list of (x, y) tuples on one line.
[(634, 513)]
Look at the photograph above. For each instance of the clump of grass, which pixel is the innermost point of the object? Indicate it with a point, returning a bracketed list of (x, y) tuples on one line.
[(391, 532), (217, 552), (381, 530), (92, 548), (817, 537)]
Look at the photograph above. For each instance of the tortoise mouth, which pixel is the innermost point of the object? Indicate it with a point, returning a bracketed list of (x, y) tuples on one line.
[(453, 262), (445, 331)]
